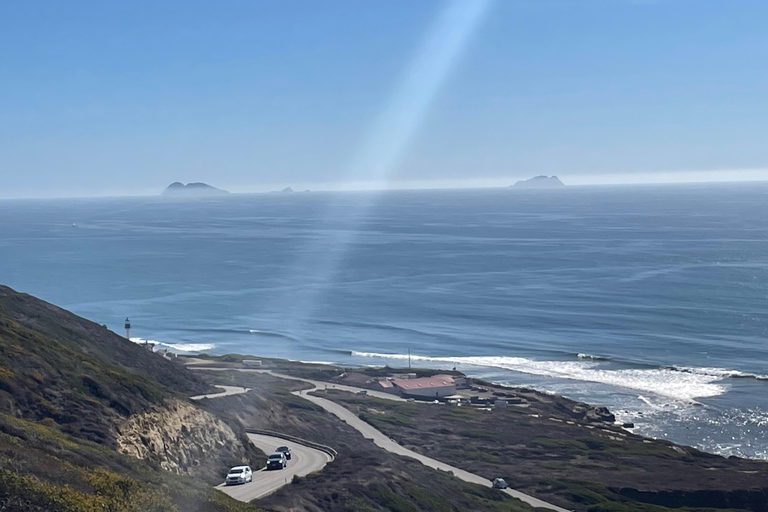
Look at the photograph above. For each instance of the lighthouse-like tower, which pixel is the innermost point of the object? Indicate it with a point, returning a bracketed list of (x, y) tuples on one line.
[(127, 329)]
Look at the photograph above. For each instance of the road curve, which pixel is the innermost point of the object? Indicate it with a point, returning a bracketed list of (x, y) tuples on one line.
[(382, 441), (228, 390), (317, 383), (304, 460)]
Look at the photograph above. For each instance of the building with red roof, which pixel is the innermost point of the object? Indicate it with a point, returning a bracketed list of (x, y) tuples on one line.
[(437, 386)]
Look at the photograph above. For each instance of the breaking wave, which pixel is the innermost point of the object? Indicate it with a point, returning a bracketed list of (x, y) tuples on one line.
[(178, 347), (723, 373), (680, 384)]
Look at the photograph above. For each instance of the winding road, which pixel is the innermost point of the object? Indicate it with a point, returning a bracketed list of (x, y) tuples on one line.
[(379, 439), (382, 441), (304, 460), (228, 390)]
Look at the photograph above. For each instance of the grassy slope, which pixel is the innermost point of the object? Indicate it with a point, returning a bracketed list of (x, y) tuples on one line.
[(64, 383), (42, 469)]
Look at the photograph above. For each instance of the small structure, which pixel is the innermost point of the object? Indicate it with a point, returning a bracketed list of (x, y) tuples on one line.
[(437, 386), (500, 404), (462, 383), (252, 363), (127, 329)]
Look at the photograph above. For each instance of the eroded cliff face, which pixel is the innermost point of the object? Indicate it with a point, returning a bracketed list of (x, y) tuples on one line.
[(183, 439)]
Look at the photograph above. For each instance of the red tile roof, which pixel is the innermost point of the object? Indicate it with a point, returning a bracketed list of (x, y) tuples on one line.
[(436, 381)]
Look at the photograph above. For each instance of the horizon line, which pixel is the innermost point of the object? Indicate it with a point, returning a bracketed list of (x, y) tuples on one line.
[(342, 187)]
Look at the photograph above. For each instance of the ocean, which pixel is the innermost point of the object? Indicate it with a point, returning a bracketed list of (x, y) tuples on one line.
[(651, 300)]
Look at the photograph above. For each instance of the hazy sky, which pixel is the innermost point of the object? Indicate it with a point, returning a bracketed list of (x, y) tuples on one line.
[(125, 97)]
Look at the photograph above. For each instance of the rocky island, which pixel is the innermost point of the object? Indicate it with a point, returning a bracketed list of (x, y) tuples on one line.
[(540, 182), (193, 190)]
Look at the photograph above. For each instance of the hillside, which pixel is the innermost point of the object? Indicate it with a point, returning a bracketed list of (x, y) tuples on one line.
[(54, 364), (71, 396)]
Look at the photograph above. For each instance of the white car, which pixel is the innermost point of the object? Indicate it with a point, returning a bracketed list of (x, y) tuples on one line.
[(239, 475)]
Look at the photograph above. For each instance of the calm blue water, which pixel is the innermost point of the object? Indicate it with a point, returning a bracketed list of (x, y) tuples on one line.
[(651, 300)]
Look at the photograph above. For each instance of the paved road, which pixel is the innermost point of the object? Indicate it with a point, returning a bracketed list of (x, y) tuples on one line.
[(317, 383), (386, 443), (304, 460), (228, 390)]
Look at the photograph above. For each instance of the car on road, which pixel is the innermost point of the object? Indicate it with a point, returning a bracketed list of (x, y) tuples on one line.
[(286, 450), (499, 483), (362, 392), (239, 475), (277, 461)]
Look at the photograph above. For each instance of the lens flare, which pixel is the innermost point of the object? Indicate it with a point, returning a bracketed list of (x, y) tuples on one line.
[(381, 153)]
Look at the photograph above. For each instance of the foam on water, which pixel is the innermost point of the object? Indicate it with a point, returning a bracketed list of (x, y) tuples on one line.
[(668, 382), (178, 347)]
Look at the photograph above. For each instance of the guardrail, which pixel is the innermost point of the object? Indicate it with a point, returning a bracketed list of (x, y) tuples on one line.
[(317, 446)]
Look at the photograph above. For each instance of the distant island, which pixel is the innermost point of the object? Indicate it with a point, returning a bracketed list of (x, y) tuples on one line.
[(540, 182), (193, 190)]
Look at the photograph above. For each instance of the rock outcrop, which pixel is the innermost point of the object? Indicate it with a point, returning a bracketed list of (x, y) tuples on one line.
[(540, 182), (181, 438)]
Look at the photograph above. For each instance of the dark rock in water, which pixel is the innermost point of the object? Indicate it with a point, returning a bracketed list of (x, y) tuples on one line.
[(193, 190), (540, 182)]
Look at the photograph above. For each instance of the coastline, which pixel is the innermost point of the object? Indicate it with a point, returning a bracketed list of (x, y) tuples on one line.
[(548, 448), (650, 416), (324, 371)]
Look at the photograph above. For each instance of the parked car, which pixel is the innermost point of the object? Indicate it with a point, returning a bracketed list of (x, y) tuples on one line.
[(277, 461), (499, 483), (410, 399), (239, 475), (362, 392), (286, 450)]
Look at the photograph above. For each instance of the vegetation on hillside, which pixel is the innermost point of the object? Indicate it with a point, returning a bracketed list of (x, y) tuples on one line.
[(65, 385), (42, 469)]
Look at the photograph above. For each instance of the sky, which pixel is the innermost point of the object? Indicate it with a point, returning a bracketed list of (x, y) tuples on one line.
[(123, 98)]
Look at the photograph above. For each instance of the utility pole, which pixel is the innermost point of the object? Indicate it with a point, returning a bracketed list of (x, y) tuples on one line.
[(127, 329)]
